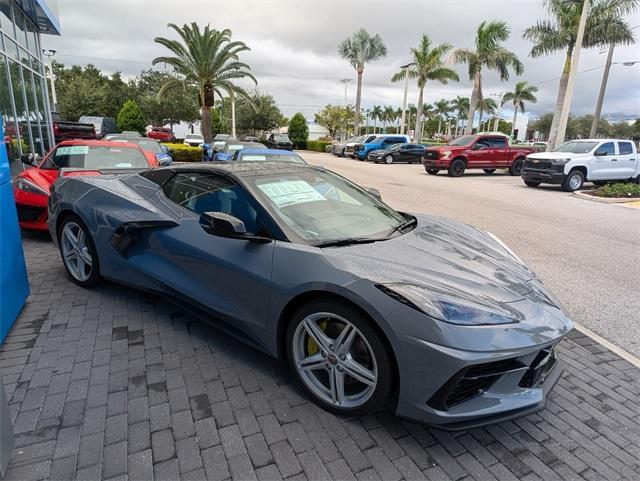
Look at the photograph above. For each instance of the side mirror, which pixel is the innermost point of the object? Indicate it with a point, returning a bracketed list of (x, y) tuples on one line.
[(30, 158), (600, 153), (479, 147), (374, 192), (225, 225)]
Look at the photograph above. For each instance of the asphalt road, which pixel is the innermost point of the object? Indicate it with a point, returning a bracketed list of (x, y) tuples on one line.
[(587, 253)]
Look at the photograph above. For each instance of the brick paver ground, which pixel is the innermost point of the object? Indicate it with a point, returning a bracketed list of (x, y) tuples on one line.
[(114, 384)]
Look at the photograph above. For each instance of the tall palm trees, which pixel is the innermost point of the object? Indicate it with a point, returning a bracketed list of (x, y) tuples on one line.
[(488, 53), (523, 92), (360, 49), (442, 111), (604, 26), (428, 64), (389, 116), (488, 105), (461, 106), (376, 114), (208, 60)]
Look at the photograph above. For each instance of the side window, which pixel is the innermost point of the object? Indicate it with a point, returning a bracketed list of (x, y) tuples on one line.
[(482, 144), (202, 192), (626, 148), (607, 149), (499, 143)]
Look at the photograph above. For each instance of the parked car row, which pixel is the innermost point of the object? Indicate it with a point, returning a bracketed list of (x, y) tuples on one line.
[(573, 163)]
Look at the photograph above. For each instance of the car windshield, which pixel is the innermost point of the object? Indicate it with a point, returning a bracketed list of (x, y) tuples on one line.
[(395, 147), (96, 157), (251, 157), (464, 140), (575, 147), (146, 144), (281, 138), (320, 207), (194, 137)]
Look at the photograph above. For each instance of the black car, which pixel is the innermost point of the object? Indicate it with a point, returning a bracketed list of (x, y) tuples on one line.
[(411, 153), (250, 138), (279, 141)]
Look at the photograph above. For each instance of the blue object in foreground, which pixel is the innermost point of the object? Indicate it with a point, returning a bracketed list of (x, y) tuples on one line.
[(14, 285)]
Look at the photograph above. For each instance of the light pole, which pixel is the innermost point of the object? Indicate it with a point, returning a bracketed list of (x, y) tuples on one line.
[(566, 105), (233, 116), (498, 110), (52, 78), (404, 99)]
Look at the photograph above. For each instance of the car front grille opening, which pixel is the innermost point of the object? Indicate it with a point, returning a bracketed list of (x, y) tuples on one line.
[(539, 369), (471, 382), (28, 214)]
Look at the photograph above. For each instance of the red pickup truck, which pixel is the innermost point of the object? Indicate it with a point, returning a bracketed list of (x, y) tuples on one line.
[(161, 134), (484, 151)]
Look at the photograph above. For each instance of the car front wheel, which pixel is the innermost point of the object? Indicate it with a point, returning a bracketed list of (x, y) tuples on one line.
[(573, 181), (531, 183), (489, 171), (457, 167), (78, 252), (432, 171), (388, 159), (516, 167), (338, 358)]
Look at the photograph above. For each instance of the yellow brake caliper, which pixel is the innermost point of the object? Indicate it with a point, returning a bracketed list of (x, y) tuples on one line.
[(312, 346)]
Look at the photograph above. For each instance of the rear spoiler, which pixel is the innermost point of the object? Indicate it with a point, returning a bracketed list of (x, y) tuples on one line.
[(78, 172)]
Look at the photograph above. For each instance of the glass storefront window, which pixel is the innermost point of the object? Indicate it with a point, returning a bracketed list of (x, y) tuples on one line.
[(32, 37), (21, 113), (5, 18), (34, 114), (11, 136), (21, 34), (11, 48)]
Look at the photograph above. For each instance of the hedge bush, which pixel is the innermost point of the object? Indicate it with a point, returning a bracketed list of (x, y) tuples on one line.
[(318, 145), (184, 153), (626, 189)]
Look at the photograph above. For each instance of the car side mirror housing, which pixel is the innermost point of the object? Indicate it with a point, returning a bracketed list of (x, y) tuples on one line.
[(225, 225), (374, 192), (29, 159), (600, 153)]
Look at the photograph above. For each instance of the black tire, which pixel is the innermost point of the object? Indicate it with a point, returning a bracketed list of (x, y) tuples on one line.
[(573, 181), (342, 153), (532, 183), (94, 276), (432, 171), (388, 159), (516, 167), (489, 171), (384, 359), (457, 167)]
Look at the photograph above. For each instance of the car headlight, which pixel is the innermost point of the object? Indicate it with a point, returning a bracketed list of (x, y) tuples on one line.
[(561, 161), (444, 307), (27, 186), (505, 247), (446, 154)]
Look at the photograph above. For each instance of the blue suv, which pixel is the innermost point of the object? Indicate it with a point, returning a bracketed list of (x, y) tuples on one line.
[(361, 151)]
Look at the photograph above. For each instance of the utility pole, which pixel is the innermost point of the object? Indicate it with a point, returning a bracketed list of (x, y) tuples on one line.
[(575, 60), (603, 88), (404, 99), (52, 78)]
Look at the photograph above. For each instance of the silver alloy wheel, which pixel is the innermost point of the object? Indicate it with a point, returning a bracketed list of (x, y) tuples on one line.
[(340, 370), (75, 251), (575, 181), (388, 159)]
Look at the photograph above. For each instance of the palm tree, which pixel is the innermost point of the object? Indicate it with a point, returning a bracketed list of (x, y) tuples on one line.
[(428, 64), (389, 116), (376, 114), (461, 107), (208, 60), (488, 53), (604, 26), (488, 105), (398, 118), (523, 92), (360, 49), (442, 110)]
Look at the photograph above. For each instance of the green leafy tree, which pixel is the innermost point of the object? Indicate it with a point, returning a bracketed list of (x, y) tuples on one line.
[(257, 113), (488, 105), (335, 118), (428, 64), (461, 107), (376, 114), (389, 115), (298, 131), (178, 105), (207, 60), (442, 110), (488, 53), (360, 49), (130, 117), (605, 25), (524, 92)]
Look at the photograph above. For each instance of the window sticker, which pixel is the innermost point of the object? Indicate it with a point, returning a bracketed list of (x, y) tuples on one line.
[(290, 192), (254, 157), (72, 150), (124, 165)]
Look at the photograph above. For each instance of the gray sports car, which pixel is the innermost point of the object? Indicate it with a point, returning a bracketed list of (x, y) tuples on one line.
[(439, 320)]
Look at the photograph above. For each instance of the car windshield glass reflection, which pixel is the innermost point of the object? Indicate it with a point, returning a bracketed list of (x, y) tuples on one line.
[(93, 157), (577, 147), (271, 158), (321, 207), (464, 140)]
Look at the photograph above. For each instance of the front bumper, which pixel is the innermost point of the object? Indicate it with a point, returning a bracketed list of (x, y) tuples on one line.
[(542, 176), (435, 163), (32, 210)]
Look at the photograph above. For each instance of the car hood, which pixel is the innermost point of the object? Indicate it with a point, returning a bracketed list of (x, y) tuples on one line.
[(442, 148), (557, 155), (42, 177), (447, 258)]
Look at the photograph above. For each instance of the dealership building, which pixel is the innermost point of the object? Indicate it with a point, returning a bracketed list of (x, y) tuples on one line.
[(24, 99)]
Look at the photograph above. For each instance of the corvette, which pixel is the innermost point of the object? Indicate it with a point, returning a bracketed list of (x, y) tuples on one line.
[(369, 306)]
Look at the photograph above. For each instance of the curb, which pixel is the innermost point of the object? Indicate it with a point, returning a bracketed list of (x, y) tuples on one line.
[(627, 356), (604, 200)]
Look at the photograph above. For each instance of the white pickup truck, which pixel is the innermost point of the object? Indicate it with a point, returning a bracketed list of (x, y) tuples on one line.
[(577, 161)]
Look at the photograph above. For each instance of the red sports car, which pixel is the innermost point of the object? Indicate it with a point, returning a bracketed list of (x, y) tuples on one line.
[(31, 187)]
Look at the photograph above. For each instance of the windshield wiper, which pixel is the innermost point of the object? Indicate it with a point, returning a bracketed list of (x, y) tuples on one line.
[(400, 227), (347, 241)]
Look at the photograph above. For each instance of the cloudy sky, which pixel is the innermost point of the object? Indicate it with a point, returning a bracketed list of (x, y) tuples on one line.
[(294, 46)]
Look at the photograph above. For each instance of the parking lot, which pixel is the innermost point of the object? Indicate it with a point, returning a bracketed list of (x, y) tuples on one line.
[(587, 252)]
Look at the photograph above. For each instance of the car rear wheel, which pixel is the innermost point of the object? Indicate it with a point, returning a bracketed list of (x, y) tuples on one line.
[(78, 252), (432, 171), (388, 159), (489, 171), (573, 181), (338, 358), (516, 167), (457, 167)]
